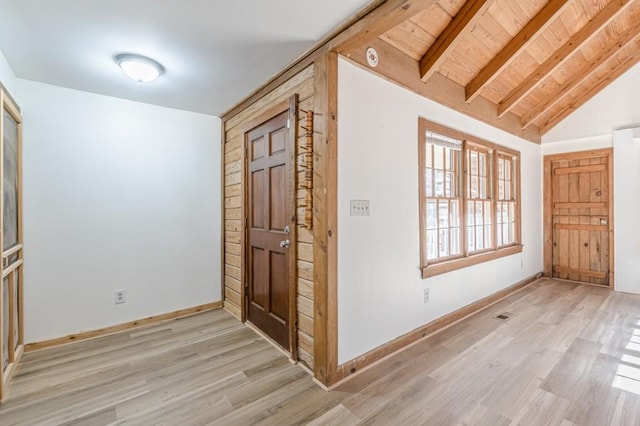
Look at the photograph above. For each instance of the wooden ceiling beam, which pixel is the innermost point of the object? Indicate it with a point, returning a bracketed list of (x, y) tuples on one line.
[(623, 67), (396, 66), (579, 39), (444, 44), (517, 44), (380, 20), (581, 74)]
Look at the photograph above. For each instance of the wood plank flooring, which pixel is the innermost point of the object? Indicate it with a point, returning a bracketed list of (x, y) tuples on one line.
[(569, 354)]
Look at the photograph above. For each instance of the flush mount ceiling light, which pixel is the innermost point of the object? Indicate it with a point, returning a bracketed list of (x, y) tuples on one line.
[(139, 68)]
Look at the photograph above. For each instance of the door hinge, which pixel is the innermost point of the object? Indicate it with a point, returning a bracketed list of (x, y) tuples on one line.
[(288, 123)]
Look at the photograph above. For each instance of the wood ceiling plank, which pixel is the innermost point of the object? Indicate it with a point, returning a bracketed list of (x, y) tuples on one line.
[(445, 42), (579, 39), (409, 37), (451, 6), (581, 74), (432, 20), (389, 15), (516, 45), (623, 66)]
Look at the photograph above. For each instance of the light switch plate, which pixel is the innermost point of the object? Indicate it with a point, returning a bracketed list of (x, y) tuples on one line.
[(360, 208)]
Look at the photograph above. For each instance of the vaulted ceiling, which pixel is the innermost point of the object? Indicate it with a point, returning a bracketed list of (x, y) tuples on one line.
[(514, 63)]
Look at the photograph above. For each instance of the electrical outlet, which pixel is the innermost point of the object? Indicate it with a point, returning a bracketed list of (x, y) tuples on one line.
[(359, 207), (119, 296), (426, 295)]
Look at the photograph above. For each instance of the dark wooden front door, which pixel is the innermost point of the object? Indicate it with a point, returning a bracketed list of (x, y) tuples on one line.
[(580, 216), (269, 215)]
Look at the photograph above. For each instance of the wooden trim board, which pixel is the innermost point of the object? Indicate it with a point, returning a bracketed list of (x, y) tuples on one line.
[(325, 220), (85, 335), (350, 368)]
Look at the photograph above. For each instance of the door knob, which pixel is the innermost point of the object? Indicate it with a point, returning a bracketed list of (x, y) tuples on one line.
[(284, 244)]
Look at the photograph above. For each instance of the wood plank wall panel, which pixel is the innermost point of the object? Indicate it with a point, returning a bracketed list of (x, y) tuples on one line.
[(303, 85)]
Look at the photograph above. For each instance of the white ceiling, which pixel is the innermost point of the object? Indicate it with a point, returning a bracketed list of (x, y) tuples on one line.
[(215, 52)]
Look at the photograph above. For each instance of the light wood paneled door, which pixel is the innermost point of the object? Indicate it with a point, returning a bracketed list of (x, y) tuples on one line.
[(578, 217), (270, 221), (11, 267)]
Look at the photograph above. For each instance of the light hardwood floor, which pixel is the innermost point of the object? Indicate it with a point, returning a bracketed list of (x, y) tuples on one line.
[(570, 354)]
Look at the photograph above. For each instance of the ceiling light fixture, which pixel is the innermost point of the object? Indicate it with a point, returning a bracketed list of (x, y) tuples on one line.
[(139, 68)]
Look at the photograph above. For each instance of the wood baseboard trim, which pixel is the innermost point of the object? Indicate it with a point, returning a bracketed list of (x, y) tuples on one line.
[(85, 335), (351, 368)]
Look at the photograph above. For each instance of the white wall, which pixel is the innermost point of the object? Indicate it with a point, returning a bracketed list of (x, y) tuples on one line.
[(380, 290), (117, 195), (626, 167), (580, 144), (7, 76)]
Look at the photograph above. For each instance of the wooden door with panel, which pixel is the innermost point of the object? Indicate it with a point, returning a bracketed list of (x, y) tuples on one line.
[(270, 221), (581, 217), (11, 295)]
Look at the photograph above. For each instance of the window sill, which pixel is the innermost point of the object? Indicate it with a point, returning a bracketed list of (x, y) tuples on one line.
[(452, 265)]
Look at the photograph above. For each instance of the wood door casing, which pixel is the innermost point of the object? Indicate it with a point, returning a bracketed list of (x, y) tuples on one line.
[(270, 221), (579, 217)]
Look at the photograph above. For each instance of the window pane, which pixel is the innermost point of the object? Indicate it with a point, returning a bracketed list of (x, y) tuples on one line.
[(499, 234), (432, 215), (444, 242), (439, 183), (474, 187), (512, 232), (487, 212), (471, 241), (473, 163), (432, 244), (438, 153), (443, 214), (448, 191), (429, 182), (507, 170), (483, 164), (487, 236), (428, 158), (500, 169), (507, 191), (479, 213), (455, 213), (470, 214), (483, 188), (479, 238), (500, 190), (455, 241), (505, 233)]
